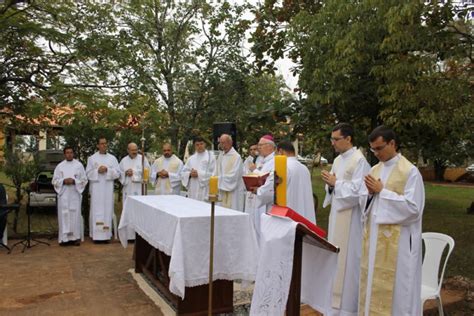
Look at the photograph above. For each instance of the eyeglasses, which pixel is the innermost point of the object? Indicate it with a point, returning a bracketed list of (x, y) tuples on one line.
[(336, 139), (261, 145), (379, 148)]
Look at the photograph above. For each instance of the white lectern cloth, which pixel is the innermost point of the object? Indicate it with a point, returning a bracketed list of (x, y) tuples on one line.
[(180, 227), (275, 268)]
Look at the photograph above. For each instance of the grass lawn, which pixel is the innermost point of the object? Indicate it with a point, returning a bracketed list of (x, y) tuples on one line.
[(445, 212)]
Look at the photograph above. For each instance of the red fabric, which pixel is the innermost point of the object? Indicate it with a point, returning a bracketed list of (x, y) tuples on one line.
[(288, 212)]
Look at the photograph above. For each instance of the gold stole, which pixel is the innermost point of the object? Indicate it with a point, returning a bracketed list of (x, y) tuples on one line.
[(343, 227), (226, 195), (385, 264), (172, 167)]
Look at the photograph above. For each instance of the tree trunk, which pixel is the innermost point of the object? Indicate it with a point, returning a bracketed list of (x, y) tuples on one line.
[(439, 168)]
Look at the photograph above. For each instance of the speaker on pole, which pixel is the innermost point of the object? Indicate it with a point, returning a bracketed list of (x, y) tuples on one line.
[(224, 128)]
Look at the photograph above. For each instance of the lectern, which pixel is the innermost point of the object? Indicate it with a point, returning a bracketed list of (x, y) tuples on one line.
[(303, 234)]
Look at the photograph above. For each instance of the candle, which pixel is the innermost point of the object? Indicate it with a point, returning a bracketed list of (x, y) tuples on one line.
[(146, 174), (213, 185), (280, 171)]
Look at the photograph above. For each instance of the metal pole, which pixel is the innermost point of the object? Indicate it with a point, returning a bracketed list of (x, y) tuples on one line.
[(144, 188), (212, 199)]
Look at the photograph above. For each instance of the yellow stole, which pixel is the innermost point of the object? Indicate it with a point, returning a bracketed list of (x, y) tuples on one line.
[(343, 227), (385, 264), (226, 195), (172, 167)]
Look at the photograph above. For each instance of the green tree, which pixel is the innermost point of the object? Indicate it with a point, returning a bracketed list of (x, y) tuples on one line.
[(20, 170), (400, 63)]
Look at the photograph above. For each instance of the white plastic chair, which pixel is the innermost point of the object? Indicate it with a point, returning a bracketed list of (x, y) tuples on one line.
[(435, 243)]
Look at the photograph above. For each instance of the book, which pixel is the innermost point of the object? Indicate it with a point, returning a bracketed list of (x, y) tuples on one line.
[(254, 180), (284, 211)]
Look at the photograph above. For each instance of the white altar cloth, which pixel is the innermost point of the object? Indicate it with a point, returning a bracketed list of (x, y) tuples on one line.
[(180, 228)]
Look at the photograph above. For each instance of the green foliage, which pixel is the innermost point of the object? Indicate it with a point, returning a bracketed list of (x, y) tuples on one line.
[(406, 64), (19, 169)]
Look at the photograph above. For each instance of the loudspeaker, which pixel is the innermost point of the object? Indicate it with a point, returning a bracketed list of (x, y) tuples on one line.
[(224, 128)]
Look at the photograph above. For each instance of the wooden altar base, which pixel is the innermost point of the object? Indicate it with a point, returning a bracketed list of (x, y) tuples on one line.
[(154, 265)]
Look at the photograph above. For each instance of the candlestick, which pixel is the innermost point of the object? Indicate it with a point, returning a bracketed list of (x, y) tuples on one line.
[(213, 185), (280, 171)]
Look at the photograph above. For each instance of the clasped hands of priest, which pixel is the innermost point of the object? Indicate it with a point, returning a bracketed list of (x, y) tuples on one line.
[(328, 178), (102, 169), (163, 174), (129, 173), (69, 181), (373, 185), (193, 173)]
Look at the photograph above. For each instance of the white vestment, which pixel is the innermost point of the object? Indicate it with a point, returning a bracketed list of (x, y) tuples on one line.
[(205, 164), (69, 198), (250, 160), (299, 189), (388, 207), (101, 188), (263, 199), (229, 169), (132, 185), (347, 200), (172, 184), (250, 198)]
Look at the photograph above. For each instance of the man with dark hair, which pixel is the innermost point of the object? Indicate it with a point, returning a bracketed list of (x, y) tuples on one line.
[(102, 170), (346, 192), (299, 190), (198, 170), (250, 163), (345, 130), (68, 147), (390, 275), (166, 172), (69, 181)]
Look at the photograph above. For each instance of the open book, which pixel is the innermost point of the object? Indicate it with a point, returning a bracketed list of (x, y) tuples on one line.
[(254, 180)]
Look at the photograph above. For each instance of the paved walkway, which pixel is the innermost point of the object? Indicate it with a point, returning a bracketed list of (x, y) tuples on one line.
[(88, 280)]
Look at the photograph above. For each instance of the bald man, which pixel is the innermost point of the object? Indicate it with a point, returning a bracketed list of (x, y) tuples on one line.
[(166, 172), (131, 172), (229, 170)]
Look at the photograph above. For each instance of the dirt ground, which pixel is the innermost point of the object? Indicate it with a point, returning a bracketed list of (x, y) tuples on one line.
[(88, 280), (93, 279)]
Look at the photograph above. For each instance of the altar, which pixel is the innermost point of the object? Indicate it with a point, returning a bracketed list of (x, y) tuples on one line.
[(172, 249)]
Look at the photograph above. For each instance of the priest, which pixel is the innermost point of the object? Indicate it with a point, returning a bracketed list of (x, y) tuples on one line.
[(69, 181), (250, 165), (131, 177), (251, 162), (197, 171), (390, 275), (102, 170), (299, 189), (166, 172), (346, 193), (263, 196), (229, 170)]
